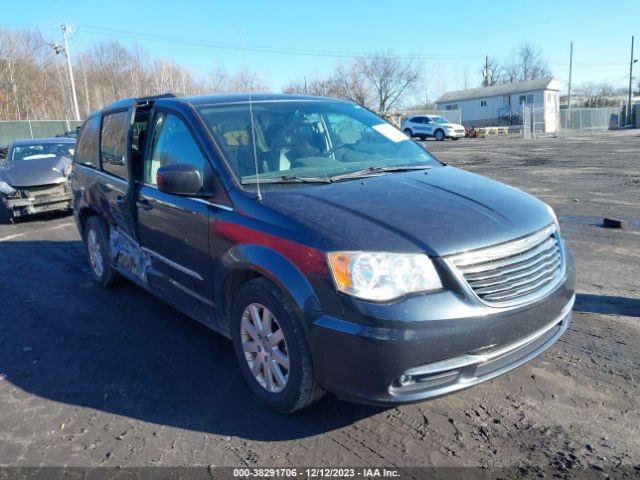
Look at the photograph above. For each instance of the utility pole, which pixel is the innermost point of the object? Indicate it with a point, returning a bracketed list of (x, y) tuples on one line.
[(486, 70), (630, 83), (570, 72), (65, 30)]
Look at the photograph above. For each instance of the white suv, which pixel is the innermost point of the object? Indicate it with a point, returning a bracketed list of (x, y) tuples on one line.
[(424, 126)]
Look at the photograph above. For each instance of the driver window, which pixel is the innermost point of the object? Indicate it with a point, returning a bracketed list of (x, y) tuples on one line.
[(171, 142)]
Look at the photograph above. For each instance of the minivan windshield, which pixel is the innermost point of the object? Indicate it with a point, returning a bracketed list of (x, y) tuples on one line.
[(309, 141)]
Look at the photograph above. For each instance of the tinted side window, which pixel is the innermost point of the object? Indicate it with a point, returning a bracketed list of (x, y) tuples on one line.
[(171, 142), (113, 144), (87, 148), (416, 120)]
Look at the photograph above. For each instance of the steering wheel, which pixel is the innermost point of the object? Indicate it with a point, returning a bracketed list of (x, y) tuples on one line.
[(338, 147)]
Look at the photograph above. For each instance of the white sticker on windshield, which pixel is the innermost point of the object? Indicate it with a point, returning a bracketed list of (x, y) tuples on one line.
[(390, 132)]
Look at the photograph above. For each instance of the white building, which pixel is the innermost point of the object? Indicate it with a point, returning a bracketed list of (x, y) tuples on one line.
[(502, 104)]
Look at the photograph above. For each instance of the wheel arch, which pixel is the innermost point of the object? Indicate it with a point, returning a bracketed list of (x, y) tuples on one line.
[(85, 214), (246, 262)]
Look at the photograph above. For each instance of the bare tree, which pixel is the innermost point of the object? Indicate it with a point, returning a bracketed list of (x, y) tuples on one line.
[(322, 87), (390, 77), (349, 83), (491, 72), (526, 63)]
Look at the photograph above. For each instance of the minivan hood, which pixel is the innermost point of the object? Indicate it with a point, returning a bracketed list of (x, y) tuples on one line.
[(439, 211), (31, 173)]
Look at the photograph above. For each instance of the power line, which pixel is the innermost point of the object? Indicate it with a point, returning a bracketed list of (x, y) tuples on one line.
[(191, 42)]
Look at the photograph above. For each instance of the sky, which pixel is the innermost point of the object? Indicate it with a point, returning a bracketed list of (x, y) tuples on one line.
[(288, 40)]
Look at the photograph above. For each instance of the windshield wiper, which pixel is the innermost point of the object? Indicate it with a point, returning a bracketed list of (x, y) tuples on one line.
[(287, 179), (367, 172), (376, 171)]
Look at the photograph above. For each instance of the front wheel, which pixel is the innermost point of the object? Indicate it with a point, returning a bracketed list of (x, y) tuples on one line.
[(271, 348), (439, 134)]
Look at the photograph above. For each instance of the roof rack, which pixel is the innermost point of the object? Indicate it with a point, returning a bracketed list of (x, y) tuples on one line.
[(127, 102)]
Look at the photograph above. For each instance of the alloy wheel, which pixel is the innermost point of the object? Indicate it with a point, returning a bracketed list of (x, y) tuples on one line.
[(264, 347), (95, 253)]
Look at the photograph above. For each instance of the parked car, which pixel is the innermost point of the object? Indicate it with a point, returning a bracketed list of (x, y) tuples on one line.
[(333, 251), (424, 126), (69, 133), (34, 177)]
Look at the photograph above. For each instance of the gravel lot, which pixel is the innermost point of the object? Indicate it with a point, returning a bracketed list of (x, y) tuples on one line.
[(92, 377)]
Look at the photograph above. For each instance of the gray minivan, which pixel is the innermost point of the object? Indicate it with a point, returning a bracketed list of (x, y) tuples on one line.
[(336, 253)]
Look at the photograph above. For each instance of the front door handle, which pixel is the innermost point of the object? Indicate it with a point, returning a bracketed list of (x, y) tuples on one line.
[(144, 204)]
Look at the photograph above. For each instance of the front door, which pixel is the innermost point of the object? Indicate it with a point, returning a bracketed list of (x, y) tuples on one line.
[(173, 229)]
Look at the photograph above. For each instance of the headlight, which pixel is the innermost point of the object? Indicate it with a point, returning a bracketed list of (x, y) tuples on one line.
[(380, 276), (554, 217), (6, 188)]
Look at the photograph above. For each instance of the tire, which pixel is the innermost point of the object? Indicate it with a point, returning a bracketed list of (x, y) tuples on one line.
[(455, 138), (96, 241), (439, 135), (408, 132), (300, 387)]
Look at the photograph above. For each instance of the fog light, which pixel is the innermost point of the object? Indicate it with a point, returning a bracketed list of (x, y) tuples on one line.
[(405, 380)]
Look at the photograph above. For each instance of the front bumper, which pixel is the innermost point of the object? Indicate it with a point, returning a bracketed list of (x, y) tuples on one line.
[(454, 134), (432, 345), (32, 201)]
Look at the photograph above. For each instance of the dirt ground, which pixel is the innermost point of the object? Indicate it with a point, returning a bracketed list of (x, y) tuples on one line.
[(91, 377)]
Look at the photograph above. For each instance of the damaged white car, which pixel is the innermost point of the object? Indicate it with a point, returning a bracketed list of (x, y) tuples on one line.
[(34, 177)]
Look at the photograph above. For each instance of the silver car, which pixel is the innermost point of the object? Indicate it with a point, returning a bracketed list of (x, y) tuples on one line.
[(34, 177), (424, 126)]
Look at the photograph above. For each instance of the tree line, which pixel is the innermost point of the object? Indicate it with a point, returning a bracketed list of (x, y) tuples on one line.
[(34, 82)]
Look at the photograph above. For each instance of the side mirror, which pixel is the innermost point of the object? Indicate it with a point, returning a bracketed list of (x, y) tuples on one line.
[(179, 179)]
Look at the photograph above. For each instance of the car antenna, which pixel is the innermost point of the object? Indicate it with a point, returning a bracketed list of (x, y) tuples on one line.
[(253, 128)]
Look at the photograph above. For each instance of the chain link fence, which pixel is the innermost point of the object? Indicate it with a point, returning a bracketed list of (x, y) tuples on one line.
[(11, 130), (537, 123), (589, 120)]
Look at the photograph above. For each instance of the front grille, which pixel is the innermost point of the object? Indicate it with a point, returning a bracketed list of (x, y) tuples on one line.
[(459, 130), (514, 272), (40, 190)]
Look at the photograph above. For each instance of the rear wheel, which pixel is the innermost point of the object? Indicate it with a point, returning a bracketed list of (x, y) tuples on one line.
[(439, 134), (96, 240), (271, 348), (408, 133)]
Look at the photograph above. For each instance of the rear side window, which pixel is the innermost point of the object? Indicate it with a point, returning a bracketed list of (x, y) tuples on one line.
[(87, 148), (171, 142), (113, 144)]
